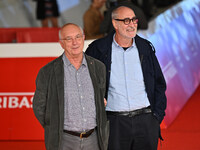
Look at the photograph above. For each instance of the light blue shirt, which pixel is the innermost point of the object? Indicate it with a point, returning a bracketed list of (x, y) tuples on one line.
[(126, 90)]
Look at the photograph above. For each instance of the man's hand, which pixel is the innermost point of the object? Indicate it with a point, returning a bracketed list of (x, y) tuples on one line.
[(105, 102)]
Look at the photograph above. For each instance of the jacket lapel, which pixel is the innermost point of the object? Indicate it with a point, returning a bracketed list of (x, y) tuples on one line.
[(59, 75), (91, 68), (141, 51)]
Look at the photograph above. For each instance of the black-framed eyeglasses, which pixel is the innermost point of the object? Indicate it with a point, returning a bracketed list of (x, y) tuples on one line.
[(127, 21)]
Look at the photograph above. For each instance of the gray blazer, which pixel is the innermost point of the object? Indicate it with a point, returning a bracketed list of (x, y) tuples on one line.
[(48, 101)]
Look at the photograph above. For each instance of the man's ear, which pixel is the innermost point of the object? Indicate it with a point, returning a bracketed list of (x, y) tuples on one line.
[(61, 43), (114, 23), (83, 36)]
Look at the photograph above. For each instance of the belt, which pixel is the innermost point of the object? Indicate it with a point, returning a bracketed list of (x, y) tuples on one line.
[(130, 113), (81, 135)]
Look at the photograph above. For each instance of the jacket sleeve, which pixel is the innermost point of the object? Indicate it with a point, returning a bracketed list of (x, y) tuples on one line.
[(40, 98), (92, 50), (159, 91)]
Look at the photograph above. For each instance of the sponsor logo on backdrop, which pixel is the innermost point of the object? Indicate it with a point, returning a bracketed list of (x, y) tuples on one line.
[(16, 100)]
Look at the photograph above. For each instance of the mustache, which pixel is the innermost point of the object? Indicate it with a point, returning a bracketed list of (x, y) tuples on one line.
[(130, 28), (75, 47)]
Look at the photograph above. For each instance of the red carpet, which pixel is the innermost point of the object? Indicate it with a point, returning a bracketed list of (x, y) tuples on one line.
[(183, 134)]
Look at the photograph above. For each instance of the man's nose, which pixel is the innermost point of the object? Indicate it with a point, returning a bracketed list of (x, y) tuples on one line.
[(74, 41)]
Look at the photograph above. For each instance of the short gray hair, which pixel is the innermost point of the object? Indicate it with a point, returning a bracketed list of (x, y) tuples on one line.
[(114, 14), (59, 33)]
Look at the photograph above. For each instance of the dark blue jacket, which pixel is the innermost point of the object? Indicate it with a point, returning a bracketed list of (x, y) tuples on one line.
[(155, 84)]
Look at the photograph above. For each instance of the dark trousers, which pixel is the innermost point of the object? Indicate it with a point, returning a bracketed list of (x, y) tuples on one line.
[(139, 132)]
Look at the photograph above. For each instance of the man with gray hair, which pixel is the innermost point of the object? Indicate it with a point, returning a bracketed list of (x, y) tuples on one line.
[(135, 85), (106, 25), (69, 97)]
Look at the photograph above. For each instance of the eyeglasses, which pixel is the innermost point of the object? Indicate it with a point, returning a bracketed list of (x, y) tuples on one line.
[(70, 39), (127, 21)]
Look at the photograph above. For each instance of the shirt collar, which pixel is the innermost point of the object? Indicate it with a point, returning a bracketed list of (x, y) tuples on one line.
[(116, 44), (84, 62), (68, 63)]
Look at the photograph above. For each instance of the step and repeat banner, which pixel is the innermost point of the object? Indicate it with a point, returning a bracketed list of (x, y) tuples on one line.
[(19, 65), (17, 77), (175, 35), (176, 38)]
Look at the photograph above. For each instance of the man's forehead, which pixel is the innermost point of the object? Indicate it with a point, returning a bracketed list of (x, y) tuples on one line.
[(126, 12), (71, 31), (71, 28)]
